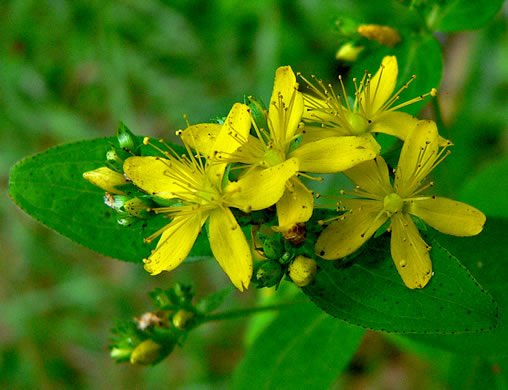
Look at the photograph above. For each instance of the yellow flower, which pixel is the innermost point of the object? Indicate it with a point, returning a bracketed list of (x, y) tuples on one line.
[(274, 146), (381, 201), (199, 187), (373, 110)]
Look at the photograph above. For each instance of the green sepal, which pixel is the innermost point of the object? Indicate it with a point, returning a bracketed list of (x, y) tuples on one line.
[(257, 110), (126, 139), (268, 273)]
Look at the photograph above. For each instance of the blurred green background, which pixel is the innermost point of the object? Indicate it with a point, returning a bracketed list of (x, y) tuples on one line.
[(72, 69)]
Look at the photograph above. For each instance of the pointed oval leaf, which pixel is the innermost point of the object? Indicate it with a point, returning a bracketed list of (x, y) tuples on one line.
[(486, 255), (369, 292), (49, 186)]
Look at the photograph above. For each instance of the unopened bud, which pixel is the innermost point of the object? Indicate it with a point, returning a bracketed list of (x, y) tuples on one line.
[(105, 178), (272, 246), (384, 35), (268, 273), (126, 138), (302, 270), (148, 352), (121, 354), (135, 207), (348, 52), (182, 319)]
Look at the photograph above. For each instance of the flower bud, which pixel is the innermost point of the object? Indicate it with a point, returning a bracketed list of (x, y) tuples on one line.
[(272, 246), (105, 178), (348, 52), (182, 319), (302, 270), (121, 354), (382, 34), (114, 160), (135, 207), (126, 139), (148, 352), (268, 273)]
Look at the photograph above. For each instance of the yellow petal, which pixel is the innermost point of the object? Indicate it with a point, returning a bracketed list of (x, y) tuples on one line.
[(230, 247), (260, 188), (409, 252), (448, 216), (202, 137), (381, 86), (334, 154), (284, 120), (232, 135), (421, 145), (372, 176), (151, 175), (295, 205), (105, 178), (317, 133), (174, 244), (344, 236), (395, 123)]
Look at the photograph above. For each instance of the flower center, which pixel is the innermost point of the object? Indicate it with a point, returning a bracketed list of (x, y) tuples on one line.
[(359, 125), (208, 194), (392, 203), (271, 158)]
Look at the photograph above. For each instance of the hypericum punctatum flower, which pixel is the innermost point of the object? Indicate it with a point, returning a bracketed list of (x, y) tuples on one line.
[(381, 201), (199, 187), (274, 146), (329, 113)]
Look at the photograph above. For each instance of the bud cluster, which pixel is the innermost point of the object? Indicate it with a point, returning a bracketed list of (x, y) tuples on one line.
[(284, 257), (151, 337)]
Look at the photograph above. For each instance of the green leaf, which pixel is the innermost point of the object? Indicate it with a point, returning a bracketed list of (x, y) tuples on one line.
[(49, 186), (458, 371), (469, 373), (369, 292), (303, 348), (486, 191), (418, 55), (458, 15), (213, 301), (486, 255)]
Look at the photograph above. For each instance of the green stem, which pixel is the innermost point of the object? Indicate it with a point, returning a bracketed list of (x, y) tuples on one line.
[(437, 113), (238, 313)]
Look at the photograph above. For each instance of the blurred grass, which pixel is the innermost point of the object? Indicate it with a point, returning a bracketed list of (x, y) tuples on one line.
[(73, 69)]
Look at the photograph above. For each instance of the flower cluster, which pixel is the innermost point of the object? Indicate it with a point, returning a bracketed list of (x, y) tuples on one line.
[(257, 158)]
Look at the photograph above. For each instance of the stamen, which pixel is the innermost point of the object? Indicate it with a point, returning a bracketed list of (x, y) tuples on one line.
[(310, 177)]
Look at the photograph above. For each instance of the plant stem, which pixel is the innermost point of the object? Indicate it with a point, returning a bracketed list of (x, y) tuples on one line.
[(437, 113)]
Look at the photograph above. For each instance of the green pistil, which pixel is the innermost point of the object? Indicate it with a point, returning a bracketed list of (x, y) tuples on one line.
[(392, 203), (271, 158), (359, 125)]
